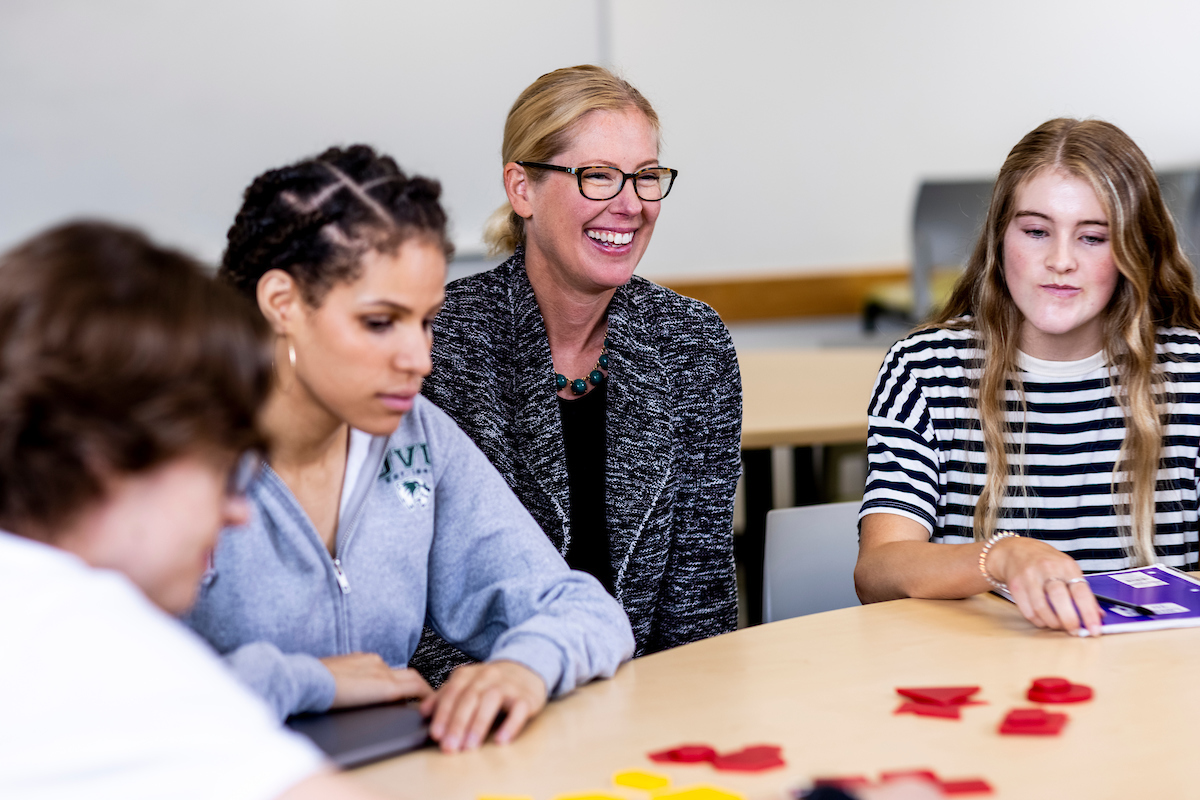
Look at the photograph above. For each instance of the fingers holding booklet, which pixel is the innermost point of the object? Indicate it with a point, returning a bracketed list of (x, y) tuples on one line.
[(1143, 599)]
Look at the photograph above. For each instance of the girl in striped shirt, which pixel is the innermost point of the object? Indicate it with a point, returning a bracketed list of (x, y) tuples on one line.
[(1047, 422)]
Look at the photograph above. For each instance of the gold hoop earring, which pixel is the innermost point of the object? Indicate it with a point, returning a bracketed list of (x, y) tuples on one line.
[(275, 368)]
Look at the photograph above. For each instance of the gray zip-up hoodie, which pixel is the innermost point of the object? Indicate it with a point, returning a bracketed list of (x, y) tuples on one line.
[(431, 534)]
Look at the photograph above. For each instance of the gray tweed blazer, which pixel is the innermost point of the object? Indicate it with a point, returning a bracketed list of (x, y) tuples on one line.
[(674, 428)]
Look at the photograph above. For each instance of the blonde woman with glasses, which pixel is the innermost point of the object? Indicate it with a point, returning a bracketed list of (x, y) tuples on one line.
[(611, 406), (1046, 423)]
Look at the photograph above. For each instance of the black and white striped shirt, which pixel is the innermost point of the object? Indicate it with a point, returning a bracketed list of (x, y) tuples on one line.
[(926, 456)]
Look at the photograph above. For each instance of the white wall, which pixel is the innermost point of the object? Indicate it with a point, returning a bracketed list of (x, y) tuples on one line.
[(800, 128), (160, 112)]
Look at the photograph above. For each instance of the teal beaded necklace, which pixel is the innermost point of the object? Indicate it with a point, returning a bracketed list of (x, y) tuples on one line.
[(595, 377)]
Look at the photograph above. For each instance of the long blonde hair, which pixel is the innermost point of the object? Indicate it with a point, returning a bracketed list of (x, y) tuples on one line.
[(1154, 289), (541, 124)]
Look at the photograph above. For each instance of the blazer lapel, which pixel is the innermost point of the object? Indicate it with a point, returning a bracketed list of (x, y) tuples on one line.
[(639, 429), (638, 422), (538, 423)]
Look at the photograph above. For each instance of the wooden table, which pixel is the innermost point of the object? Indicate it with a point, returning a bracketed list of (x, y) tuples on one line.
[(806, 397), (823, 686)]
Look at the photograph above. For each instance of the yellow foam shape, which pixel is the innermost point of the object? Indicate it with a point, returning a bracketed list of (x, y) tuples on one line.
[(641, 780), (699, 793), (587, 797)]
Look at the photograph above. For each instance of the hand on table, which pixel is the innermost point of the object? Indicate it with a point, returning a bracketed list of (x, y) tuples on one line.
[(467, 704), (1046, 584), (364, 678)]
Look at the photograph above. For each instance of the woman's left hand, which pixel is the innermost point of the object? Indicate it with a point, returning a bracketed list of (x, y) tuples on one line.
[(465, 707)]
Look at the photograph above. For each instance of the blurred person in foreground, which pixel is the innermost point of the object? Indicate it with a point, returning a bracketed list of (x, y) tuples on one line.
[(129, 387)]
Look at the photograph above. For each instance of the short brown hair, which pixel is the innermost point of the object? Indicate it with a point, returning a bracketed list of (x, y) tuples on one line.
[(116, 355)]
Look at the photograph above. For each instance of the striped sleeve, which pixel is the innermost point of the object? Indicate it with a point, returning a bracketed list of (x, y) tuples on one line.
[(905, 476)]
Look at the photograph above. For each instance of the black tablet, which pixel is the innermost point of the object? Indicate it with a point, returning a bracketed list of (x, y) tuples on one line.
[(355, 736)]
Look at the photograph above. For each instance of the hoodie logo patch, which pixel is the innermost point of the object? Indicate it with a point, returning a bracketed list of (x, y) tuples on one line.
[(409, 471), (414, 492)]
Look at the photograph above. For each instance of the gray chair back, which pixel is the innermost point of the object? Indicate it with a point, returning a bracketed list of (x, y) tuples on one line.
[(946, 221), (1181, 192), (808, 566)]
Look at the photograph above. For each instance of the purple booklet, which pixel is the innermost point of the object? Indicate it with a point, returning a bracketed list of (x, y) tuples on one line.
[(1172, 595)]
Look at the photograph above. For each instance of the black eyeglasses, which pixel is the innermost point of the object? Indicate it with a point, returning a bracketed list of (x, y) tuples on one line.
[(605, 183), (243, 473)]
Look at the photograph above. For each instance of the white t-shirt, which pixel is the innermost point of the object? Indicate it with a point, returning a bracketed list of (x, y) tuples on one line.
[(102, 695), (356, 458)]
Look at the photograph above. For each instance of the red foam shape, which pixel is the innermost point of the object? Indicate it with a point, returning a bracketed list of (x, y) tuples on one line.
[(751, 759), (845, 782), (685, 754), (940, 695), (1032, 721), (966, 786), (902, 774), (921, 709), (1058, 690)]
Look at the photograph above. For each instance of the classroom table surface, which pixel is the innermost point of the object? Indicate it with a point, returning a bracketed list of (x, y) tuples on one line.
[(823, 687), (806, 397)]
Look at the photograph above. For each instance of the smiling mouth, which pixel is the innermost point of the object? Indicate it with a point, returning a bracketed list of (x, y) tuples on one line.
[(611, 238)]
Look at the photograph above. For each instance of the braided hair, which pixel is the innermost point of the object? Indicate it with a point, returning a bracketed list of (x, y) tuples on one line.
[(315, 219)]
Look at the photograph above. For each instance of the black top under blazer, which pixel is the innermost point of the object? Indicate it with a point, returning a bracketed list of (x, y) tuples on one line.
[(674, 422)]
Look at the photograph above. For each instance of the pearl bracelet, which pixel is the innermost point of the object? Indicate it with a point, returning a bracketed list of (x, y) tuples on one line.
[(983, 554)]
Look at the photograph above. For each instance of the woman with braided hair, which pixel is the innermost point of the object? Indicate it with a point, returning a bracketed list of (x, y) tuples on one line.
[(375, 514)]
